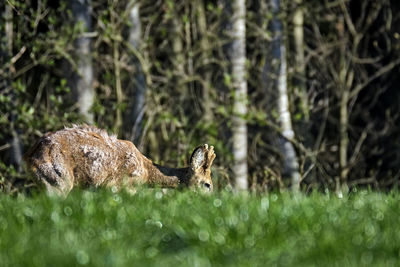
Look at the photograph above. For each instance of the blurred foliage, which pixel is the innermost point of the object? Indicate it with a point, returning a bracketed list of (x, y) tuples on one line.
[(117, 229), (185, 69)]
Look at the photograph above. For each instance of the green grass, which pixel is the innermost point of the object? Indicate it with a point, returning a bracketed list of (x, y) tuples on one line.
[(185, 228)]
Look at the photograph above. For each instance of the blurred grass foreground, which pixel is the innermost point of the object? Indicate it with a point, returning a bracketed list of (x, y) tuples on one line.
[(188, 229)]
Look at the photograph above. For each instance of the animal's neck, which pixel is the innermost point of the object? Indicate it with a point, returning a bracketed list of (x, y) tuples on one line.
[(166, 177)]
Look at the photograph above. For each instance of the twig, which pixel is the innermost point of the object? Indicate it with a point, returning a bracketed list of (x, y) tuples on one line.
[(18, 55), (367, 180), (5, 146), (376, 75), (307, 172), (358, 146)]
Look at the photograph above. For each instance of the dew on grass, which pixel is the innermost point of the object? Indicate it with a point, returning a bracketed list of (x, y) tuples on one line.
[(379, 216), (179, 231), (114, 189), (151, 252), (55, 217), (358, 204), (109, 234), (232, 221), (203, 235), (244, 215), (370, 230), (159, 195), (218, 221), (249, 241), (70, 238), (131, 253), (117, 198), (217, 202), (219, 238), (264, 204), (150, 222), (82, 257), (28, 212), (68, 211), (367, 257), (166, 237), (158, 224), (121, 215), (90, 233)]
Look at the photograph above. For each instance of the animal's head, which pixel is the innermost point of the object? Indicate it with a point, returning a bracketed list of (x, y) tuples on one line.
[(200, 168)]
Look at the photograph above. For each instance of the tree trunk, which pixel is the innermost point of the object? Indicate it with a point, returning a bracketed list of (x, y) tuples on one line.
[(291, 166), (139, 82), (16, 145), (298, 35), (117, 74), (237, 57), (177, 46), (206, 55), (82, 83), (341, 186)]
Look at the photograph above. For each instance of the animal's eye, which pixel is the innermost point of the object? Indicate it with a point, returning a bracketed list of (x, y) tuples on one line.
[(207, 185)]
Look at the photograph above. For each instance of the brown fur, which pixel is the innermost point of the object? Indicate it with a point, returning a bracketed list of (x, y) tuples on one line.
[(87, 156)]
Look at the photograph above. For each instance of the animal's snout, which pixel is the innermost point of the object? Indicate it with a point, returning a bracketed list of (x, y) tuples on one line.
[(207, 186)]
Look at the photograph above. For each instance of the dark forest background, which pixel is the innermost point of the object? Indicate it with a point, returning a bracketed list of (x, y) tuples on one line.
[(300, 94)]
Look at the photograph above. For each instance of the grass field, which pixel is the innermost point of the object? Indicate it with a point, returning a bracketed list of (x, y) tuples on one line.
[(189, 229)]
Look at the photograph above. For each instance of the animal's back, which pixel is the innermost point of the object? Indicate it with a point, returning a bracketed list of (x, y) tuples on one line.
[(81, 155)]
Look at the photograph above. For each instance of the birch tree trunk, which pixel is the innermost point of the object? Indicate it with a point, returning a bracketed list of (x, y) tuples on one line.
[(298, 36), (237, 56), (341, 185), (82, 82), (139, 81), (291, 166)]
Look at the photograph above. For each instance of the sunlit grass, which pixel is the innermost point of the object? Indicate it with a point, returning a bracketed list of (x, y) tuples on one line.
[(185, 228)]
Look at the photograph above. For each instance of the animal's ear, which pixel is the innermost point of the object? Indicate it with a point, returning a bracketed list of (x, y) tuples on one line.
[(198, 158)]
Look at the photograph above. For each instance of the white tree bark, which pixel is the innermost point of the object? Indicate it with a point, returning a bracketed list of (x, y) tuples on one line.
[(291, 166), (298, 36), (341, 185), (82, 83), (237, 57), (139, 81)]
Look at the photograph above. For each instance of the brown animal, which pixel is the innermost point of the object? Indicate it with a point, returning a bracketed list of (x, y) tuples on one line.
[(86, 156)]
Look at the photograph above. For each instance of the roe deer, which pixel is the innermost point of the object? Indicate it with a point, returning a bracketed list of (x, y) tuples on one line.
[(85, 155)]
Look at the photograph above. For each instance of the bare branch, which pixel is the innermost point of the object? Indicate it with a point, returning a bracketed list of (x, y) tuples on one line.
[(376, 75)]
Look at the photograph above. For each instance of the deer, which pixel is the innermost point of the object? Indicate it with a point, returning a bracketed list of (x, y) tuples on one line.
[(86, 156)]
